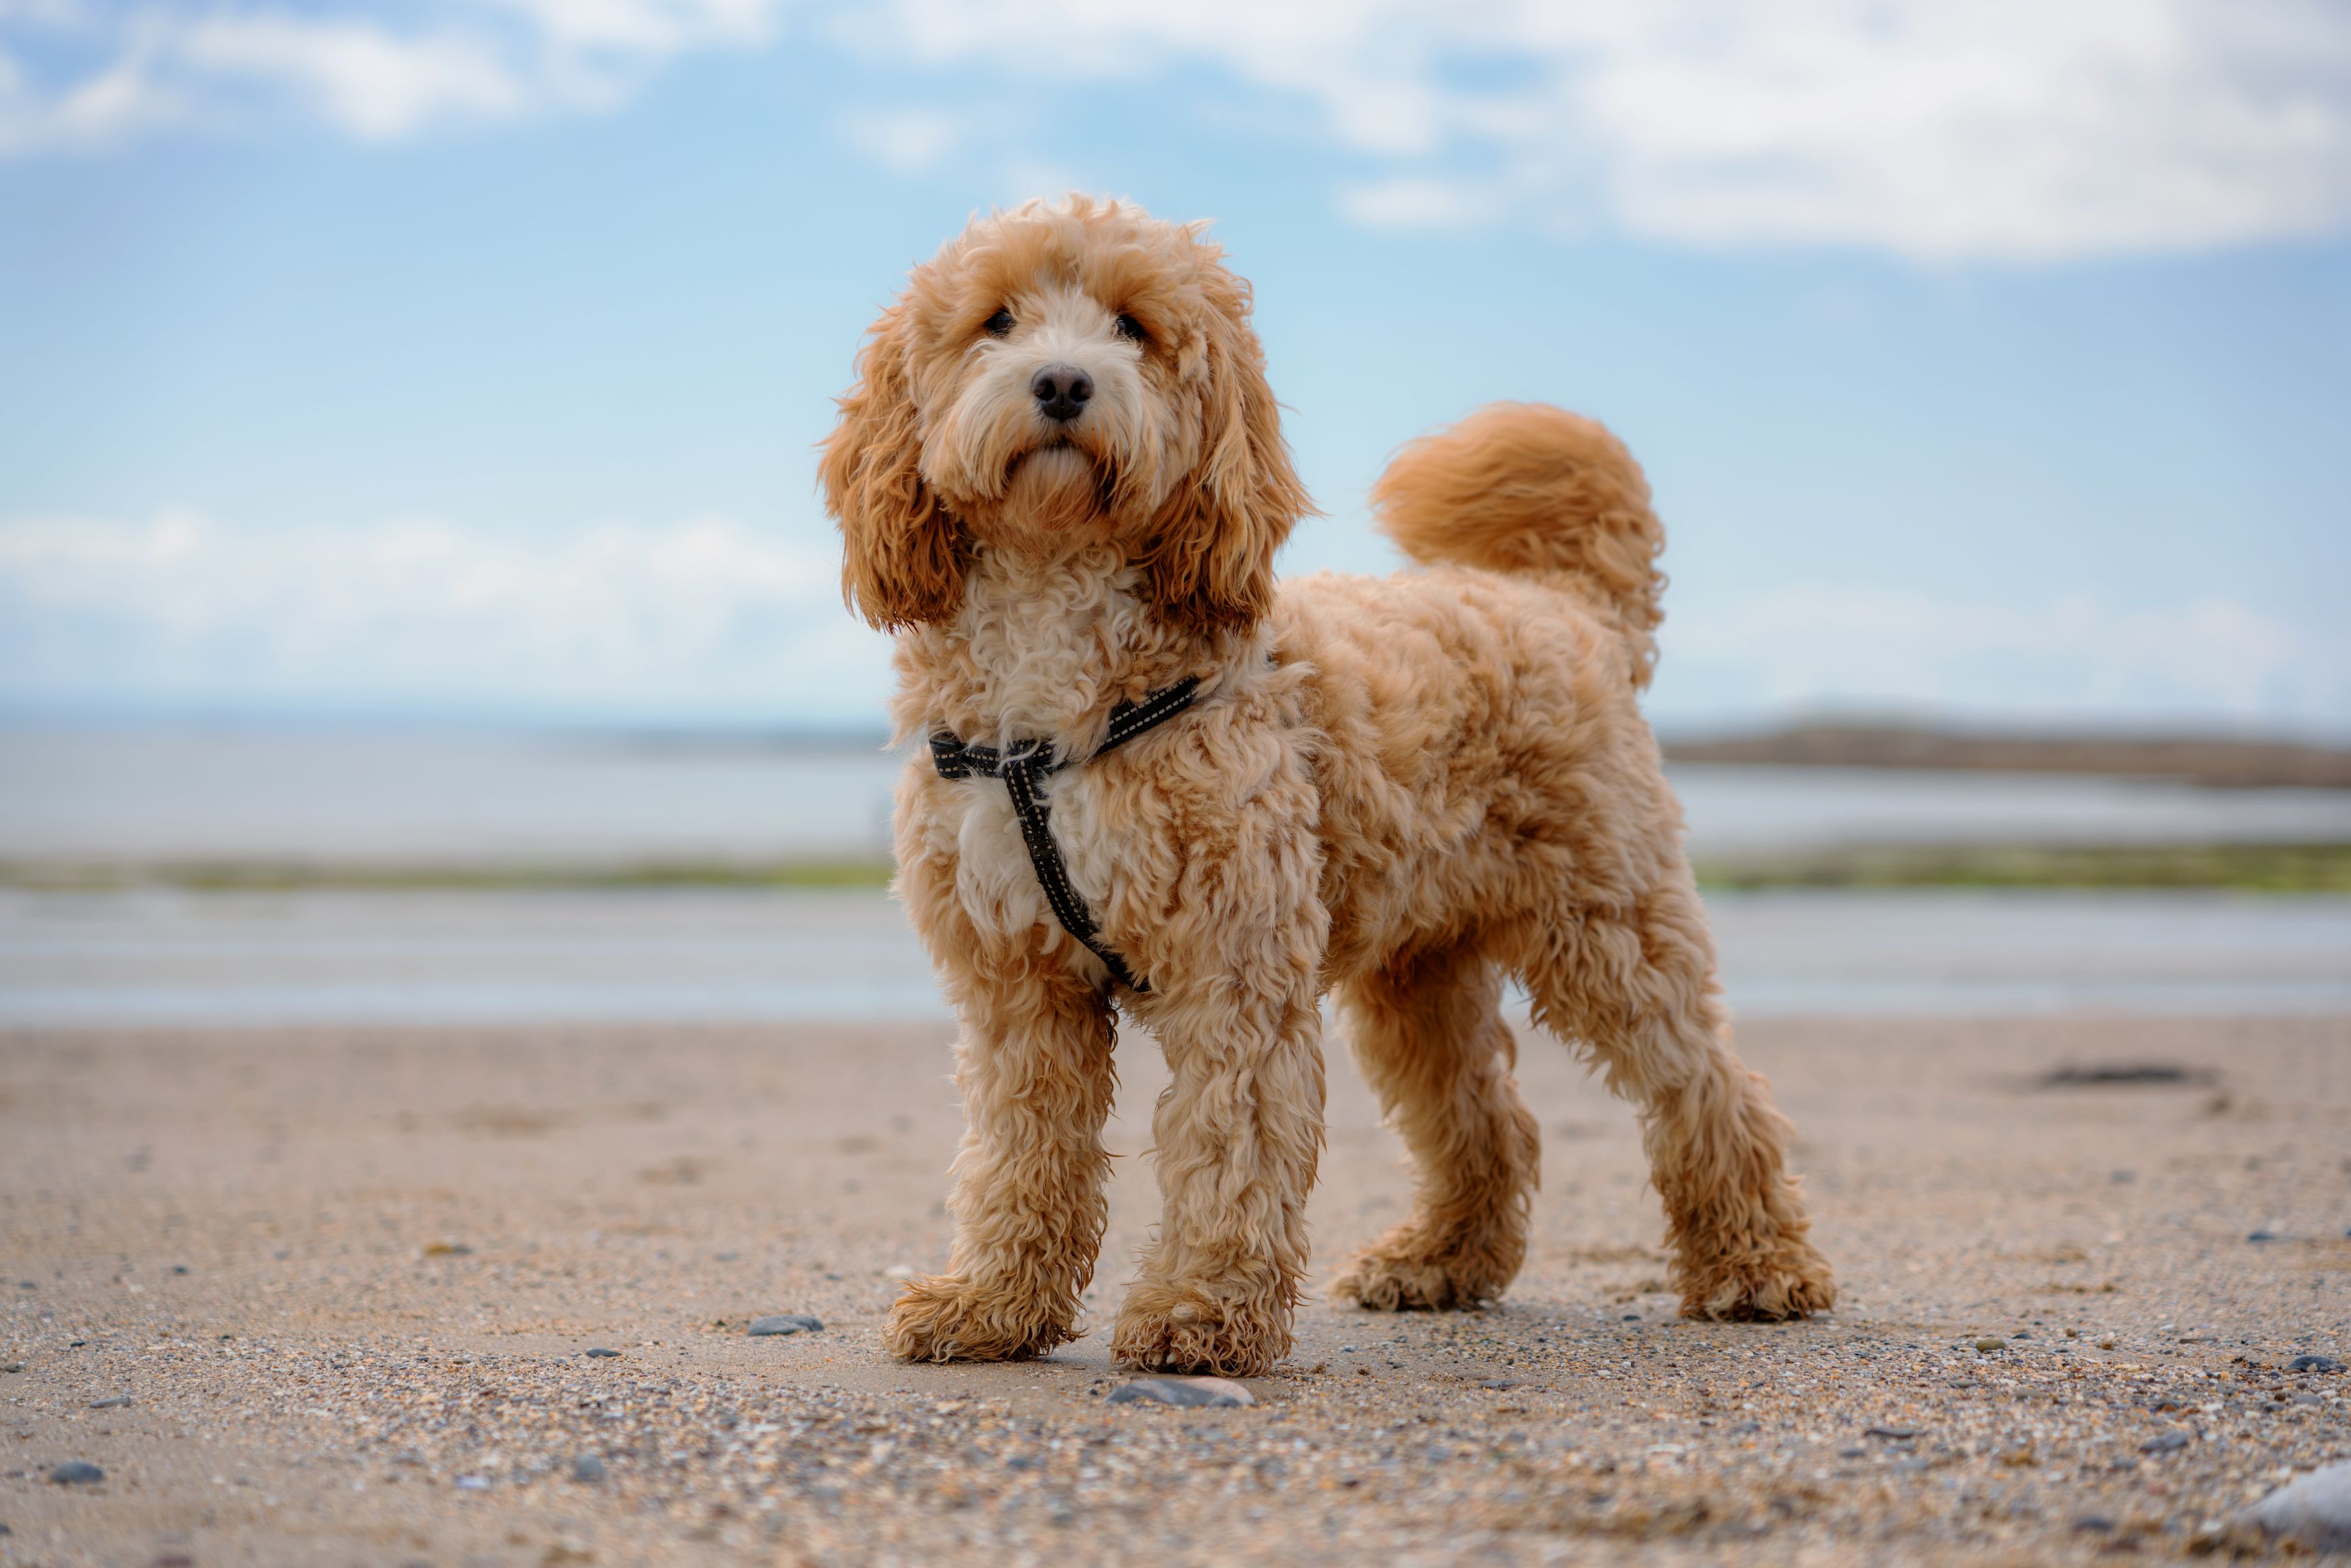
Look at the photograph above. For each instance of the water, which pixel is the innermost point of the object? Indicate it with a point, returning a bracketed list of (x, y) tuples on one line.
[(148, 794), (426, 796), (165, 956)]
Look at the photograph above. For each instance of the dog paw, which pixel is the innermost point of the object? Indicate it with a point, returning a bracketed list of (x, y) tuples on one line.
[(1794, 1285), (1386, 1283), (1165, 1330), (946, 1318)]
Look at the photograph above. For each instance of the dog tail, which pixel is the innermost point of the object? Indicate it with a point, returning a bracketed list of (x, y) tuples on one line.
[(1532, 490)]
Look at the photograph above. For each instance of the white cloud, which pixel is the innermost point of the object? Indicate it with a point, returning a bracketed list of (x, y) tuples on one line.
[(1422, 202), (904, 141), (2011, 128), (2019, 130), (701, 616), (377, 71), (708, 617), (1816, 646), (374, 85)]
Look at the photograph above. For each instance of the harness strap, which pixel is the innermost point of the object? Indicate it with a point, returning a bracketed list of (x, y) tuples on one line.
[(1021, 766)]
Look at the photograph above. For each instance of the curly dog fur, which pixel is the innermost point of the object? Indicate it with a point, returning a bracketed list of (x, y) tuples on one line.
[(1401, 789)]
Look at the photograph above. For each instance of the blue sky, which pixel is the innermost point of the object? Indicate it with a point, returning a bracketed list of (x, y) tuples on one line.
[(467, 356)]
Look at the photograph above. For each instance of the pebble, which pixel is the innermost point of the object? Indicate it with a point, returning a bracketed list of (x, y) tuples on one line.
[(473, 1483), (2169, 1443), (2313, 1510), (77, 1472), (600, 1352), (587, 1468), (2314, 1364), (786, 1322), (1185, 1392), (1988, 1344), (119, 1402), (1892, 1433)]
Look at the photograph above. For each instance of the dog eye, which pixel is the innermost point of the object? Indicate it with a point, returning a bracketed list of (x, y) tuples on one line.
[(998, 325), (1129, 329)]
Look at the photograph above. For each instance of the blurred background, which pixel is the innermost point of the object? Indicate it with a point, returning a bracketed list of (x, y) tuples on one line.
[(414, 602)]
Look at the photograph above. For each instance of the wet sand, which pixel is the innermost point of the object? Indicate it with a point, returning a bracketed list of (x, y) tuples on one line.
[(400, 1243)]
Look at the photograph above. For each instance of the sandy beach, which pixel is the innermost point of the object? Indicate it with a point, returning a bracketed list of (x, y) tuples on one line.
[(332, 1296)]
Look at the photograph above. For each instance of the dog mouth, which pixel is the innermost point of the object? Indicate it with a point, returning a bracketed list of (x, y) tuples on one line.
[(1063, 478), (1056, 460)]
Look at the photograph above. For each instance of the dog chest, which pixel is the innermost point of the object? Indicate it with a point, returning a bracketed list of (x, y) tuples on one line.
[(995, 879)]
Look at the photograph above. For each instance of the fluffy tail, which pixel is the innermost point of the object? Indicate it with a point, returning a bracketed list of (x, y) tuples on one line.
[(1534, 491)]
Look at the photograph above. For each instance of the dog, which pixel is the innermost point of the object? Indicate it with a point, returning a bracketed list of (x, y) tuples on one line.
[(1060, 480)]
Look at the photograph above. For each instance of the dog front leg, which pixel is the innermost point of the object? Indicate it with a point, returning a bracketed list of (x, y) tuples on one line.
[(1237, 1133), (1035, 1072)]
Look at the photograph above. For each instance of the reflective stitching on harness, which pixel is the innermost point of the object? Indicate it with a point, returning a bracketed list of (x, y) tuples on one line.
[(1021, 766)]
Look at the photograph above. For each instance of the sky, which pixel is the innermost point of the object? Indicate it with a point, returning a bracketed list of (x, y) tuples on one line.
[(466, 358)]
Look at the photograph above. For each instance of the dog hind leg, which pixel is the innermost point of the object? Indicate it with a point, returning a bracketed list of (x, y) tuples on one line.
[(1429, 1035), (1636, 987)]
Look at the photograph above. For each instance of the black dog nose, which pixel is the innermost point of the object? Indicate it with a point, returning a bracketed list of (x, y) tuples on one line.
[(1061, 392)]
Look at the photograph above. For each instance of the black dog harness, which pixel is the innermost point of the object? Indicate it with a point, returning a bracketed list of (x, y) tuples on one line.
[(1021, 766)]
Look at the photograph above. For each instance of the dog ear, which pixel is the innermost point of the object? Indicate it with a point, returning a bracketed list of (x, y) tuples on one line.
[(903, 556), (1209, 562)]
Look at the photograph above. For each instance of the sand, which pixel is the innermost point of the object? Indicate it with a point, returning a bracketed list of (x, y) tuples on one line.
[(347, 1280)]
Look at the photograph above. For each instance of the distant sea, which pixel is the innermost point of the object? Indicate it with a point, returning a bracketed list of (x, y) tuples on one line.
[(163, 955), (165, 793)]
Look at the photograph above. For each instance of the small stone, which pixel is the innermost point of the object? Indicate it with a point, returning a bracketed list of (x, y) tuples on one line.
[(2260, 1235), (178, 1268), (1891, 1434), (2167, 1443), (2314, 1364), (786, 1322), (2105, 1073), (2313, 1510), (600, 1352), (441, 1249), (1185, 1392), (473, 1483), (2094, 1521), (119, 1402), (1988, 1344), (12, 1367), (77, 1473), (897, 1272), (587, 1468), (1499, 1383)]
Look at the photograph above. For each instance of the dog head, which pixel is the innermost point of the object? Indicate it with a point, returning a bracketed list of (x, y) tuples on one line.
[(1058, 376)]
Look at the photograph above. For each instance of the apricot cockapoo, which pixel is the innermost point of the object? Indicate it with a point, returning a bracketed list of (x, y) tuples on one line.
[(1061, 480)]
